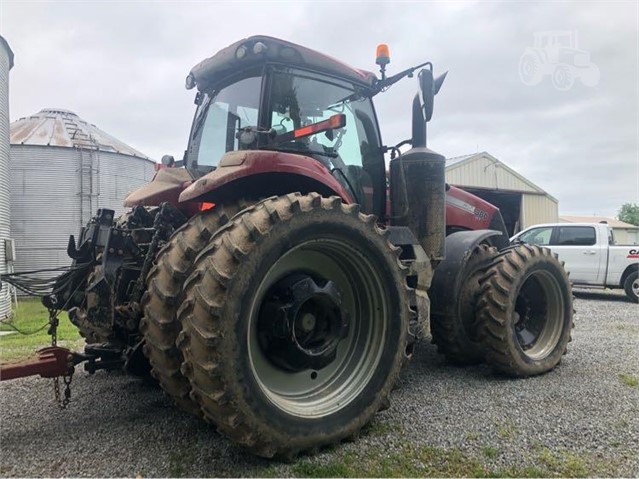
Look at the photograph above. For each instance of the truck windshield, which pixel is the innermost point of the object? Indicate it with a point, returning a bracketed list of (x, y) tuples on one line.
[(220, 117)]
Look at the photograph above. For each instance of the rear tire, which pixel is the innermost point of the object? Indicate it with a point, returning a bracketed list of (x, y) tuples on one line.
[(164, 296), (525, 311), (631, 287), (247, 346), (453, 331)]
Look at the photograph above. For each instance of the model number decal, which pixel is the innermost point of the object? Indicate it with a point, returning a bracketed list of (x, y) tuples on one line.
[(480, 214)]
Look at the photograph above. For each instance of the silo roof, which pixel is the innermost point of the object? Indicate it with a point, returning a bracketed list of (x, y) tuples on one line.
[(58, 127), (5, 44)]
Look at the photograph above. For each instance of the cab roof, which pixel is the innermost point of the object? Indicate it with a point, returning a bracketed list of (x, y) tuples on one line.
[(228, 60)]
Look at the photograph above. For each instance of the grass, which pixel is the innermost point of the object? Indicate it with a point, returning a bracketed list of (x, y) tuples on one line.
[(472, 435), (411, 460), (507, 430), (629, 380), (490, 452), (380, 429), (30, 316)]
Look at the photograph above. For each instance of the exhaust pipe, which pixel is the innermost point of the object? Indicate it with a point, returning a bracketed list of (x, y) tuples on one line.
[(418, 198), (418, 178)]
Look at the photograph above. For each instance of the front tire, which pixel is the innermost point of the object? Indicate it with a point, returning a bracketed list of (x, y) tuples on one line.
[(295, 324), (631, 286), (525, 311)]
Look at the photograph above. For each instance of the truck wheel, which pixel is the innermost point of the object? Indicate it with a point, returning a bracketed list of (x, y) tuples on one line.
[(454, 332), (295, 324), (631, 286), (163, 297), (525, 311)]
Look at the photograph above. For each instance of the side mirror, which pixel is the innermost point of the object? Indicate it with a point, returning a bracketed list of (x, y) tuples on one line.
[(168, 160), (429, 87), (427, 90)]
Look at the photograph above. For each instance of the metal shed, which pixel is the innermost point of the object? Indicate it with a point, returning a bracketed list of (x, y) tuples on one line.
[(522, 203), (62, 170), (6, 63)]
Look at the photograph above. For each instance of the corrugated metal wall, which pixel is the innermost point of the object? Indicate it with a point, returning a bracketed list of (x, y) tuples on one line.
[(537, 209), (5, 66), (53, 195), (482, 172)]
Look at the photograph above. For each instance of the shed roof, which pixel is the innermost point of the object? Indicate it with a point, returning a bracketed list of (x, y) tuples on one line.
[(59, 127), (612, 222), (459, 161)]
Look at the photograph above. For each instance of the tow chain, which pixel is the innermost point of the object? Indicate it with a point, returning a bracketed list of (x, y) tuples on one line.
[(53, 331)]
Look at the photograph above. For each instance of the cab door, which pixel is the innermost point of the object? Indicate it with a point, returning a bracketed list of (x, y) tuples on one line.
[(578, 247), (352, 154)]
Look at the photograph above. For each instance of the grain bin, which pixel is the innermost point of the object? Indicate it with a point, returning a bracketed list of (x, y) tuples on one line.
[(62, 170), (6, 62)]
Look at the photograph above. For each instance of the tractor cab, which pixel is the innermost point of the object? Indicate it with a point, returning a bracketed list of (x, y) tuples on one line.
[(264, 94)]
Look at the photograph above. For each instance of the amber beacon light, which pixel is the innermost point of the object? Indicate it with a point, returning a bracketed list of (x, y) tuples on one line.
[(382, 58), (383, 55)]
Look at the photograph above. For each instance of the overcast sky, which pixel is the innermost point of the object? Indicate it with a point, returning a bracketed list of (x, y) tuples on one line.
[(121, 66)]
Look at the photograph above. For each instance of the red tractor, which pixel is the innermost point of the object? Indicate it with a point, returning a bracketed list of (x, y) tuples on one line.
[(278, 276)]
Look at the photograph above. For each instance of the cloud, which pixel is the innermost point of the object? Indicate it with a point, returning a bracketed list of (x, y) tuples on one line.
[(122, 66)]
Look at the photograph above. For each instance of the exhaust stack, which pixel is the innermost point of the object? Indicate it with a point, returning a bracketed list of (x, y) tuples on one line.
[(418, 177)]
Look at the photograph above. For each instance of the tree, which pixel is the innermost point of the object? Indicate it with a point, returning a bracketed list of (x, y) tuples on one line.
[(629, 213)]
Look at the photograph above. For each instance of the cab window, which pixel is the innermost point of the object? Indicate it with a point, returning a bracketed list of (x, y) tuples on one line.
[(222, 114), (576, 236), (352, 153)]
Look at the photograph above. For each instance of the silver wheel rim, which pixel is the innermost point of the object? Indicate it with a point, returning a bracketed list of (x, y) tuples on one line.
[(539, 315), (315, 394), (635, 287)]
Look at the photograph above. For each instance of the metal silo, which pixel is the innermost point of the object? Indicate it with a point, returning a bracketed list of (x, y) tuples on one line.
[(62, 170), (6, 62)]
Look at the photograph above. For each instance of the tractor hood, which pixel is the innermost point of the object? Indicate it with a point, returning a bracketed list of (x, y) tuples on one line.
[(255, 50)]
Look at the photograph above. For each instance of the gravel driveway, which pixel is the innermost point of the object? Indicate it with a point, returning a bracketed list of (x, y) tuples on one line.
[(582, 419)]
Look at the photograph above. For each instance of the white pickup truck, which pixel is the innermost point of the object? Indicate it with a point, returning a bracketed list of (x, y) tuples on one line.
[(590, 253)]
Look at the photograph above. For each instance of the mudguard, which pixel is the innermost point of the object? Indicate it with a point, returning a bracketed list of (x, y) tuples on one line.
[(446, 285), (236, 165), (167, 184)]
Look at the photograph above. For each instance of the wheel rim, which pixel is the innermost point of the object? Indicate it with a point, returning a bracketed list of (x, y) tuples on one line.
[(314, 393), (539, 315), (635, 287)]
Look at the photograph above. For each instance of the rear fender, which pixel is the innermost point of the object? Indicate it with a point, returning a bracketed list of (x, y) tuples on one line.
[(446, 285), (167, 184), (261, 173)]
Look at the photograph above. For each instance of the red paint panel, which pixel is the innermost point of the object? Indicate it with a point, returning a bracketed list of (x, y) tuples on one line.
[(257, 162), (468, 211)]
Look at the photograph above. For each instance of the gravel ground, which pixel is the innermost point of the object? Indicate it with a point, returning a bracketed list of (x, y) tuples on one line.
[(582, 419)]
